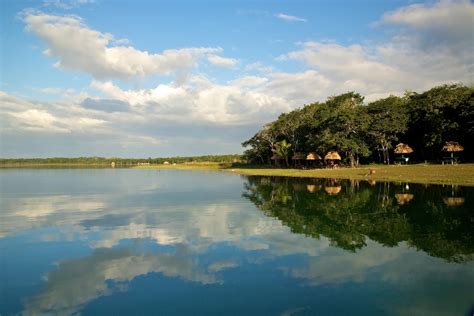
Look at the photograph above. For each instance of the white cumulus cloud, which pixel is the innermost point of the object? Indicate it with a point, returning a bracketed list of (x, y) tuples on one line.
[(452, 16), (444, 24), (202, 101), (249, 81), (81, 48), (222, 61)]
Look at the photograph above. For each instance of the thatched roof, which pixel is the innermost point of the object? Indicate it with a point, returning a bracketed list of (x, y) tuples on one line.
[(402, 149), (332, 155), (312, 188), (333, 190), (372, 182), (276, 157), (452, 146), (454, 201), (404, 198), (299, 156), (313, 156)]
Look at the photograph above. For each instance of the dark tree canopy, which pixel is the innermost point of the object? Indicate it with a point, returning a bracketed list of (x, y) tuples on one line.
[(369, 132)]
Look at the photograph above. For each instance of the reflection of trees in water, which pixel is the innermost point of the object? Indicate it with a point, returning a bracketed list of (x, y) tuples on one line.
[(348, 212)]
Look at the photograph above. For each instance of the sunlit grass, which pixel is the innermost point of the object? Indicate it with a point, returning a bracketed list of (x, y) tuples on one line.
[(194, 165), (462, 174)]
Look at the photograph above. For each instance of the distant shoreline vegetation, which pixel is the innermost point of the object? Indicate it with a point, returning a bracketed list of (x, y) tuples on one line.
[(367, 133), (117, 162)]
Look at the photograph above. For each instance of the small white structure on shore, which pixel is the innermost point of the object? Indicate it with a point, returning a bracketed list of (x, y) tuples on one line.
[(166, 163)]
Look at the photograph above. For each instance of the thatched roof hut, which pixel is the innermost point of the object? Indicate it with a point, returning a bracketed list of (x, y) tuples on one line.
[(313, 156), (332, 155), (403, 149), (404, 198), (454, 201), (312, 188), (372, 182), (452, 147), (298, 156), (333, 190)]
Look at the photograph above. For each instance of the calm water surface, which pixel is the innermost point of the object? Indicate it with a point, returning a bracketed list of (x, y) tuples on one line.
[(173, 242)]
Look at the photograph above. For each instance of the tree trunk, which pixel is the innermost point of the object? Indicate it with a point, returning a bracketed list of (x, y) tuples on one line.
[(384, 146), (351, 156), (384, 154)]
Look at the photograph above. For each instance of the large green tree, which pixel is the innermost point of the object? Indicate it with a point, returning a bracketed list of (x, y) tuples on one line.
[(444, 113), (388, 119), (343, 123), (262, 144)]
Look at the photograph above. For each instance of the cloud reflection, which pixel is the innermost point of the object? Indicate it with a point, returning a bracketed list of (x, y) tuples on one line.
[(77, 282), (182, 231)]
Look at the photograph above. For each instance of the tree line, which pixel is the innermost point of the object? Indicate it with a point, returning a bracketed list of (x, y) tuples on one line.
[(367, 133), (102, 161)]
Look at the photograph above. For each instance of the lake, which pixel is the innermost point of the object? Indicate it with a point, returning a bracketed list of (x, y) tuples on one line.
[(178, 242)]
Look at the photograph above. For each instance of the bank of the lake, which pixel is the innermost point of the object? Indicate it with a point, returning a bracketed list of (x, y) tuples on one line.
[(461, 174)]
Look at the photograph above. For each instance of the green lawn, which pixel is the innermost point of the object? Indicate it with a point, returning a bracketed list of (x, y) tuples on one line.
[(196, 165), (440, 174), (462, 174)]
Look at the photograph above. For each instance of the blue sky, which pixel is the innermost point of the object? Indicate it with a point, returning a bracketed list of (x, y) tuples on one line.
[(162, 78)]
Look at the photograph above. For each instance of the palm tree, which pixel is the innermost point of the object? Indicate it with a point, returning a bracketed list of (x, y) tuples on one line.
[(282, 149)]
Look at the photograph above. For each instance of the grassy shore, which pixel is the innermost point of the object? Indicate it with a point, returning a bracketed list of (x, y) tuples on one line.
[(462, 174), (197, 165)]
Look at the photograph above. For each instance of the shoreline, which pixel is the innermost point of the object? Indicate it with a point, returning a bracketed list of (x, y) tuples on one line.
[(421, 174), (461, 174)]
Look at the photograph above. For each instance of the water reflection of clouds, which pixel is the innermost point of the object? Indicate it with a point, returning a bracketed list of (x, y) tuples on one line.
[(25, 213), (197, 225), (103, 222), (222, 265), (414, 275), (439, 288), (76, 282), (339, 266), (190, 229)]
